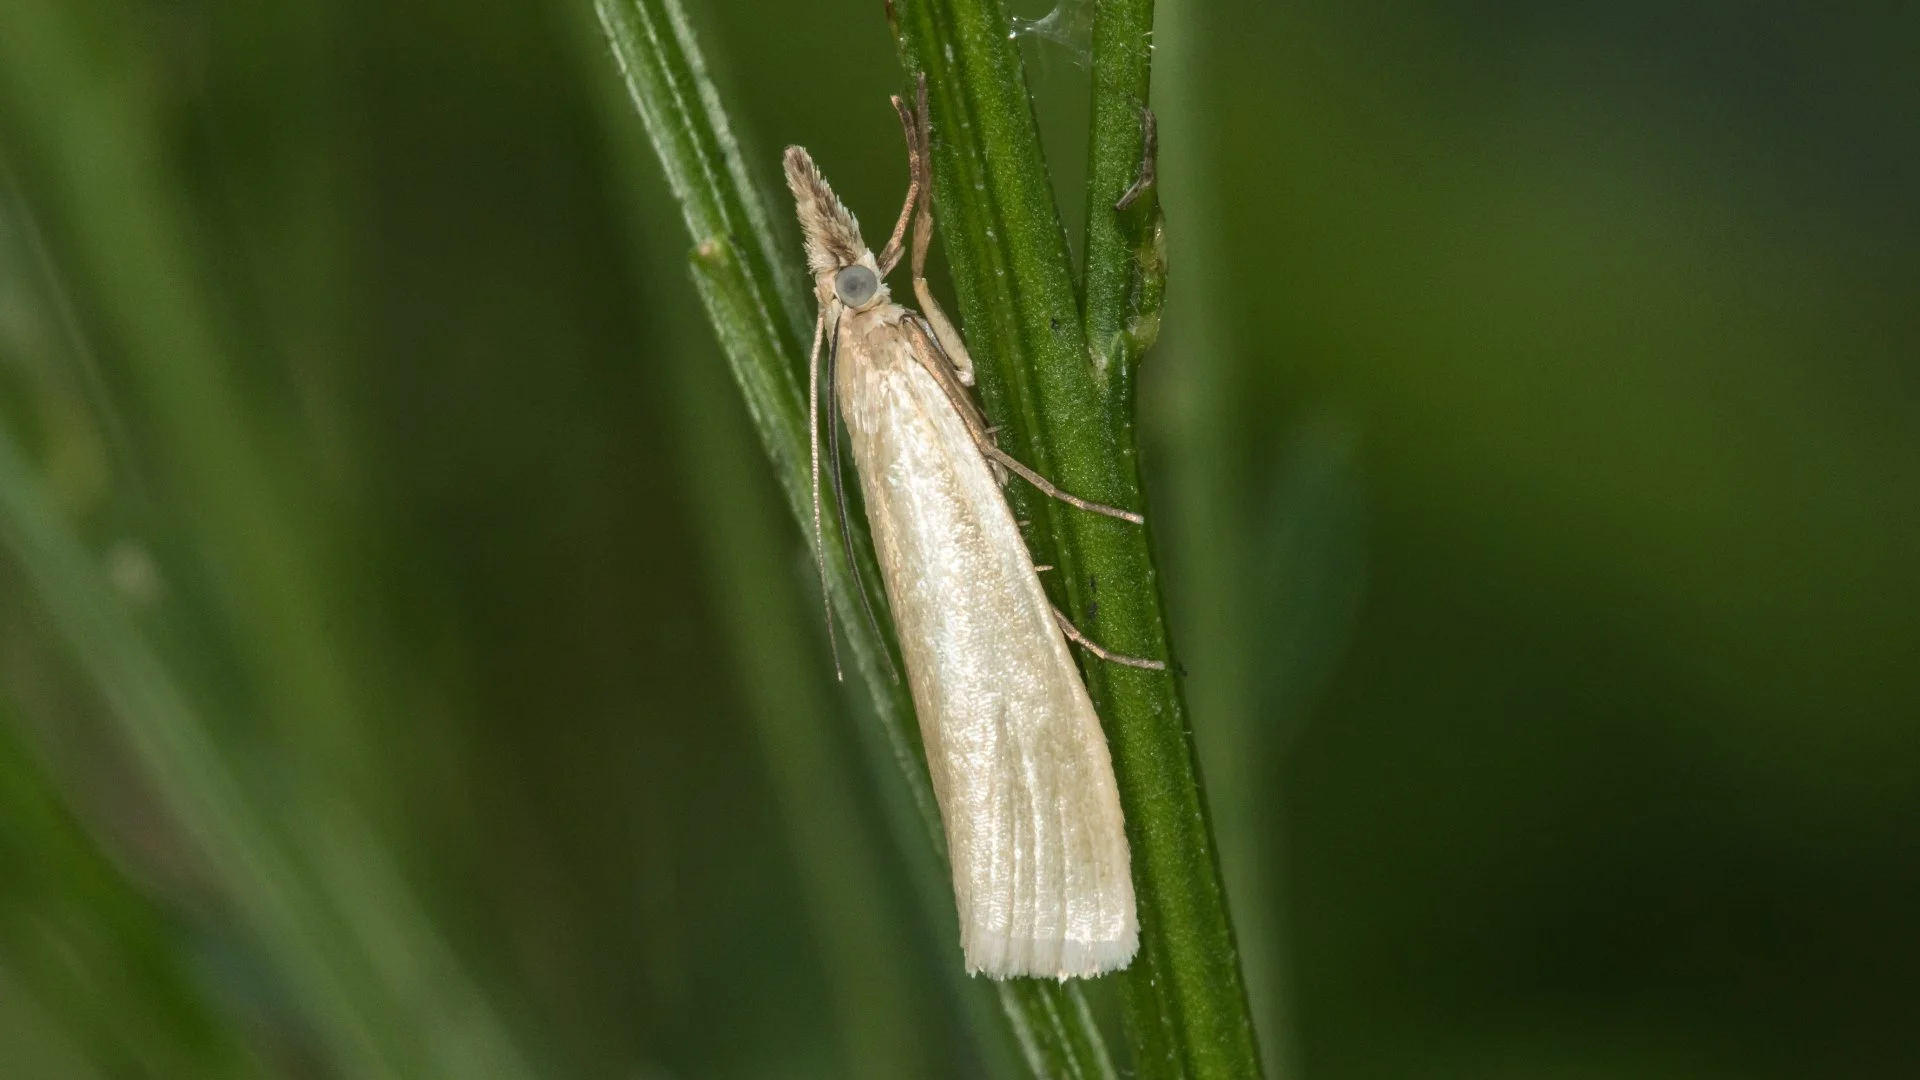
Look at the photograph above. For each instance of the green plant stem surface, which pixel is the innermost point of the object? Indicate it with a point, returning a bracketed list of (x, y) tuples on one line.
[(1058, 379)]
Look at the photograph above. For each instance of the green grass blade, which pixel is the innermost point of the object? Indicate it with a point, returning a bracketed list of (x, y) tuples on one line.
[(300, 853), (1068, 410), (1123, 268), (100, 956), (161, 727), (316, 889)]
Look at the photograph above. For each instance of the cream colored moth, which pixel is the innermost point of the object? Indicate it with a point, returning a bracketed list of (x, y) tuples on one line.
[(1019, 762)]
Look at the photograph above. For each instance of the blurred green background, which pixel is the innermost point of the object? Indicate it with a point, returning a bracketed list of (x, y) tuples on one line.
[(406, 669)]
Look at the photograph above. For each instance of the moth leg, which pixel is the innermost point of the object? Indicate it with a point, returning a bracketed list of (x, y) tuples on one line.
[(934, 332), (919, 189), (1080, 639), (920, 154), (995, 454), (954, 349), (924, 351)]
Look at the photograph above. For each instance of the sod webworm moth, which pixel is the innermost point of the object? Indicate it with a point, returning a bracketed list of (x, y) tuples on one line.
[(1018, 759)]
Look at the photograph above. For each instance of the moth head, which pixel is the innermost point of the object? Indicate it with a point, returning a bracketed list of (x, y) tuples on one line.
[(843, 269)]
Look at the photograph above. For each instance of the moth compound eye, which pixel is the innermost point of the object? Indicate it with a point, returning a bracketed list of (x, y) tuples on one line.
[(855, 285)]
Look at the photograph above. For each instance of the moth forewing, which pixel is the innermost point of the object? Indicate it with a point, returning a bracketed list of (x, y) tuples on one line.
[(1019, 761), (1020, 767)]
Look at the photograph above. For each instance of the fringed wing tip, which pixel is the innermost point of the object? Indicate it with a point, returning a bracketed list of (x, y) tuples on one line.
[(997, 956)]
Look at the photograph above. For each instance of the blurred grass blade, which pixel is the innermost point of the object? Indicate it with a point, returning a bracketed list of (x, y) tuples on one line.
[(1306, 582), (392, 1009), (1065, 403), (867, 958), (1233, 567), (760, 318), (1203, 526), (1055, 1029), (160, 725), (300, 855), (1309, 572), (102, 958)]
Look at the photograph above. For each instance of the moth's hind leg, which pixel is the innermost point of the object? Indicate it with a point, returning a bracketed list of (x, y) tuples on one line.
[(1047, 487), (925, 346), (951, 346), (1080, 639)]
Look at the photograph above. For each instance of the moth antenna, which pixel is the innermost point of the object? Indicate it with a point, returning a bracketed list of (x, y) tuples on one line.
[(813, 450), (834, 468)]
